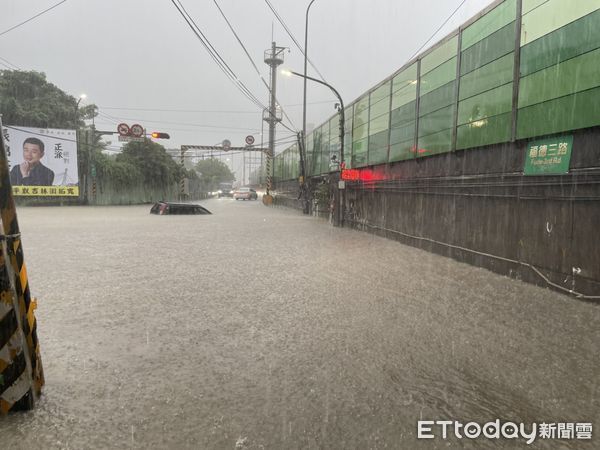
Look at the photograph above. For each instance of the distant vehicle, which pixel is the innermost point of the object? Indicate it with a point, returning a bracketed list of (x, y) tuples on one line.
[(225, 190), (245, 194), (163, 208)]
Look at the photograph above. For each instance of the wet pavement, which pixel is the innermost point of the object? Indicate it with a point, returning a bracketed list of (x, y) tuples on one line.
[(261, 328)]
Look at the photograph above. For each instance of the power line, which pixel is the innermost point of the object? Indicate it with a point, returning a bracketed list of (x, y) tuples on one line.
[(114, 118), (436, 31), (205, 110), (31, 18), (241, 44), (252, 61), (287, 30), (6, 61), (214, 54)]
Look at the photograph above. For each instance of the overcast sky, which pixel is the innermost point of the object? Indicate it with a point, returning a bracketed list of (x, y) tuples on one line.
[(140, 62)]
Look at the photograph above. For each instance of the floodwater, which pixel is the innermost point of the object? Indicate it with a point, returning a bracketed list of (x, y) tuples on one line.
[(261, 328)]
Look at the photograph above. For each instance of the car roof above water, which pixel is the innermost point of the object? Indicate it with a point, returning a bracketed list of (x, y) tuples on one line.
[(163, 208)]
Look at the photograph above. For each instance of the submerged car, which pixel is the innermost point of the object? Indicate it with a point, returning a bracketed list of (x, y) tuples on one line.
[(163, 208), (245, 194)]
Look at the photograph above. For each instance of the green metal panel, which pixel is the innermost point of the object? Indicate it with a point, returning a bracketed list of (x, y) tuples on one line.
[(500, 16), (528, 5), (434, 100), (567, 42), (334, 130), (325, 153), (580, 110), (577, 74), (359, 153), (489, 49), (439, 76), (361, 132), (405, 95), (404, 114), (494, 74), (435, 143), (436, 121), (316, 163), (402, 150), (379, 124), (348, 149), (296, 160), (379, 108), (489, 103), (381, 92), (323, 147), (405, 78), (361, 111), (439, 55), (552, 15), (402, 133), (277, 167), (484, 132), (309, 154), (378, 148)]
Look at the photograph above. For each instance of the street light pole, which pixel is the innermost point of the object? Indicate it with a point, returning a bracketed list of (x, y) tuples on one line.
[(305, 209), (342, 123), (341, 110), (305, 71)]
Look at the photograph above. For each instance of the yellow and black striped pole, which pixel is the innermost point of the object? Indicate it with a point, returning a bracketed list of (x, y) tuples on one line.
[(268, 198), (21, 372), (182, 180)]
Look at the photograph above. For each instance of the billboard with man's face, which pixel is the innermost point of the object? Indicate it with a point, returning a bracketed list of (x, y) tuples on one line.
[(42, 162)]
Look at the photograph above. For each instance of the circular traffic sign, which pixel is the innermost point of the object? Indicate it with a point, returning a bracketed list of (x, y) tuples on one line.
[(123, 129), (250, 139), (137, 130), (226, 144)]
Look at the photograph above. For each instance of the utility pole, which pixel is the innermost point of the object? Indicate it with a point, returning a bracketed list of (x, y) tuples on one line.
[(273, 58), (243, 169)]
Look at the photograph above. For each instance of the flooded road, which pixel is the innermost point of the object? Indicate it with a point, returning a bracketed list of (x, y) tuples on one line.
[(260, 328)]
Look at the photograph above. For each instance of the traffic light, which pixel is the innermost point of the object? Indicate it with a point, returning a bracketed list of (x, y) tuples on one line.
[(157, 135)]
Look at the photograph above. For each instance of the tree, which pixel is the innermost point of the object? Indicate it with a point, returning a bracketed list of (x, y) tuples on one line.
[(152, 161), (27, 99), (212, 172)]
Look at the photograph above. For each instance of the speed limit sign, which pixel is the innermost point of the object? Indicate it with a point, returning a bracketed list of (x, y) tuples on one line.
[(137, 130), (250, 139)]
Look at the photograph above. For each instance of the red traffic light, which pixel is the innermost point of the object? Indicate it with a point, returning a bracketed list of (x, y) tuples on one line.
[(157, 135)]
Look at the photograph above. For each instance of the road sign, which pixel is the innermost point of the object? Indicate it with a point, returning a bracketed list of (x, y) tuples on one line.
[(137, 130), (249, 139), (123, 129), (131, 139), (549, 156), (226, 144)]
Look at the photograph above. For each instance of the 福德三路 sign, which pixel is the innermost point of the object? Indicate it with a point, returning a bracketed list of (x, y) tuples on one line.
[(549, 156)]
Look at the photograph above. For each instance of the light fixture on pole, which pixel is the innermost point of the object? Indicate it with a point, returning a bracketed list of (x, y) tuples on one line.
[(81, 97), (340, 108)]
